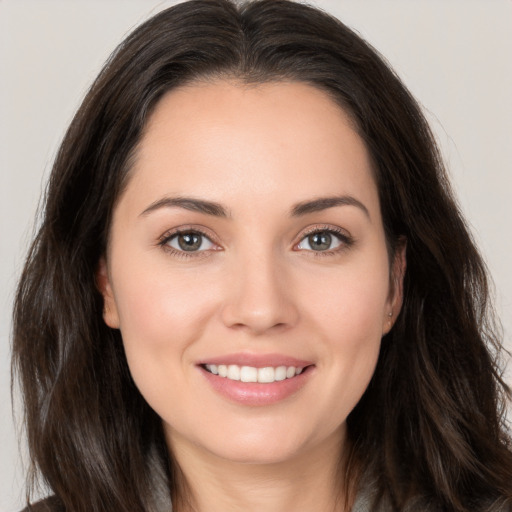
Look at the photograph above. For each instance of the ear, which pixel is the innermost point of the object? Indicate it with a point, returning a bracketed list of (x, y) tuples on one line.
[(396, 289), (110, 315)]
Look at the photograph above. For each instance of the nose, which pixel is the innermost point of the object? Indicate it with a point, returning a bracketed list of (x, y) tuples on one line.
[(260, 296)]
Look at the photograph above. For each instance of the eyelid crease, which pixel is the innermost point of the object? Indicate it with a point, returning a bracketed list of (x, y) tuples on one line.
[(324, 227), (346, 239), (163, 243), (329, 228), (193, 228)]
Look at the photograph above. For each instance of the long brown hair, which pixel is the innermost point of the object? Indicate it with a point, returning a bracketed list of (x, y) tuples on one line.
[(431, 423)]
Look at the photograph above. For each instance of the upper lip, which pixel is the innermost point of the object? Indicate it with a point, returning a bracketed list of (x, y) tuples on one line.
[(257, 360)]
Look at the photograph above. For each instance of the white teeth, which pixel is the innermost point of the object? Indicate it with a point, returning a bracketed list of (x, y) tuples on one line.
[(281, 373), (233, 372), (264, 375), (248, 374)]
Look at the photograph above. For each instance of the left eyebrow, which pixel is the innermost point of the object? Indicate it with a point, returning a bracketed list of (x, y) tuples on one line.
[(188, 203), (323, 203)]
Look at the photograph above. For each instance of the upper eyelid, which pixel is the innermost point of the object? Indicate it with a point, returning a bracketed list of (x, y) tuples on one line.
[(163, 243), (167, 235), (322, 228), (202, 230), (343, 236)]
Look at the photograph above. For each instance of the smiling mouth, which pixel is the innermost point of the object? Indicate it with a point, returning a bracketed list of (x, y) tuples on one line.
[(264, 375)]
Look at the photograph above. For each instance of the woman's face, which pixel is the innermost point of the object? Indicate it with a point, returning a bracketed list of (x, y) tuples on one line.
[(249, 242)]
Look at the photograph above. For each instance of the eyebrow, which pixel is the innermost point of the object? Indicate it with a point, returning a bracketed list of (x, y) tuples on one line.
[(188, 203), (217, 210), (323, 203)]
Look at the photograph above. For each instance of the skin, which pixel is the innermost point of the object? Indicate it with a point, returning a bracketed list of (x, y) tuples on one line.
[(255, 287)]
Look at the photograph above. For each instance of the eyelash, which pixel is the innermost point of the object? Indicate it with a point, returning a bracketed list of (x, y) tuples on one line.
[(346, 241), (168, 236)]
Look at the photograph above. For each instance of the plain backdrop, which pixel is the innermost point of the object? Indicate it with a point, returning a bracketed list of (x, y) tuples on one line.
[(454, 55)]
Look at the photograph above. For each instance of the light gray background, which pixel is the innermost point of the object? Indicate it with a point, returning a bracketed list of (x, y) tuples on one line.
[(455, 56)]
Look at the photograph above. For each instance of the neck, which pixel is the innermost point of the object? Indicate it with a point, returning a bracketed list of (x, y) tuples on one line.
[(308, 482)]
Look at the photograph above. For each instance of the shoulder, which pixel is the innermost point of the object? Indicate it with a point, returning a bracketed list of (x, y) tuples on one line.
[(50, 504)]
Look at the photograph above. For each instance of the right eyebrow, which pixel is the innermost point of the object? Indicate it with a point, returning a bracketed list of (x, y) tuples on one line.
[(187, 203), (323, 203)]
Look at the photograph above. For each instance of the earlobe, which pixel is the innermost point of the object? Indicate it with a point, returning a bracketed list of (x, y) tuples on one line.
[(110, 316), (396, 286)]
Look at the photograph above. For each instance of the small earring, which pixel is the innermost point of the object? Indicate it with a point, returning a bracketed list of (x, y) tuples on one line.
[(390, 314)]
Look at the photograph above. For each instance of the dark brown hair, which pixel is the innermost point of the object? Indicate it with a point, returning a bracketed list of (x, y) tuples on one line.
[(430, 425)]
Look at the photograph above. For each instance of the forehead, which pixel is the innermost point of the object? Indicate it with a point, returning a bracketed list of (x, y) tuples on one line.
[(269, 140)]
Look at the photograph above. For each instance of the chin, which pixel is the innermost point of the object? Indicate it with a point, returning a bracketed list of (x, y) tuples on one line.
[(258, 455), (263, 446)]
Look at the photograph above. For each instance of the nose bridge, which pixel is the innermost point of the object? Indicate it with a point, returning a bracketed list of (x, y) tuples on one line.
[(259, 295)]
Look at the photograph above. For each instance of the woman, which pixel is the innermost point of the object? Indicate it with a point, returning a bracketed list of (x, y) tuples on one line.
[(252, 288)]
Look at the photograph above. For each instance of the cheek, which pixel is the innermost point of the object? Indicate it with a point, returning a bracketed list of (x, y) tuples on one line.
[(161, 315), (160, 304), (351, 302), (347, 314)]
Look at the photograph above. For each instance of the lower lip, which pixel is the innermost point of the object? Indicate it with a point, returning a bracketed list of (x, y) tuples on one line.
[(255, 393)]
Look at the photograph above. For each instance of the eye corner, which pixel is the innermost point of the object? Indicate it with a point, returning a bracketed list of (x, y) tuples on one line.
[(341, 239), (188, 241)]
